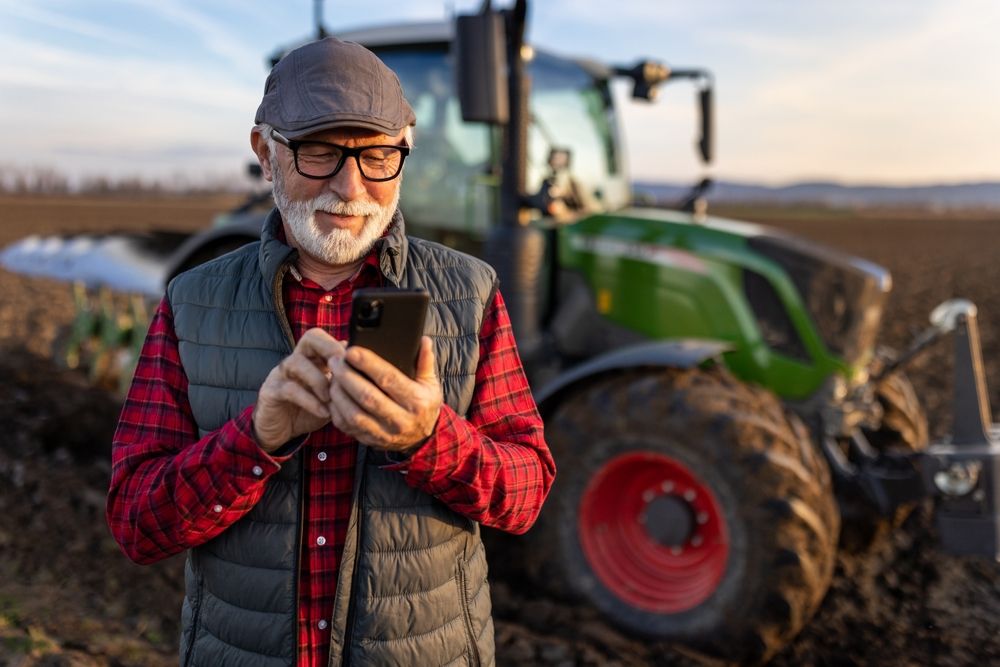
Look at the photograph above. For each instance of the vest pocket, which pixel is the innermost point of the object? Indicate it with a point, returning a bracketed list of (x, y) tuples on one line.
[(463, 597)]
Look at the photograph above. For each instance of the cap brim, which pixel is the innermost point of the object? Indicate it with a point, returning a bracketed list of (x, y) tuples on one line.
[(360, 123)]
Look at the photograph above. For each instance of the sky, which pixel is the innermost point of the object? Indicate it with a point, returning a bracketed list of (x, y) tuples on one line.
[(857, 91)]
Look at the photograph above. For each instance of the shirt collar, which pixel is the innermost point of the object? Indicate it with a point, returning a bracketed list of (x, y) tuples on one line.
[(370, 263)]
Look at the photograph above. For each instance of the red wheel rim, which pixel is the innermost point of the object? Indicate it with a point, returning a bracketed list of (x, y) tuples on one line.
[(627, 559)]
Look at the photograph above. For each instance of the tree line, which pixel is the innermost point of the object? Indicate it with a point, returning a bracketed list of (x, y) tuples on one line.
[(21, 180)]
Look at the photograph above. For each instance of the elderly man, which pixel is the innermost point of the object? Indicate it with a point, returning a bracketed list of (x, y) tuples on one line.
[(330, 505)]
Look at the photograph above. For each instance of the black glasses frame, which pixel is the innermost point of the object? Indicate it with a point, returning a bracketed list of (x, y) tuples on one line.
[(346, 152)]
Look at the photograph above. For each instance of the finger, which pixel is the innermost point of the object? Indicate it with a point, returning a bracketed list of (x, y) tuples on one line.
[(368, 396), (302, 371), (318, 345), (392, 381), (426, 366), (351, 419), (299, 396)]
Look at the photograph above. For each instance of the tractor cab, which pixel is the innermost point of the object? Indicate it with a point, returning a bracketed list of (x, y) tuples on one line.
[(451, 190)]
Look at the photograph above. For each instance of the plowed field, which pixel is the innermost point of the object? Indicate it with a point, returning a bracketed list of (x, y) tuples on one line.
[(68, 597)]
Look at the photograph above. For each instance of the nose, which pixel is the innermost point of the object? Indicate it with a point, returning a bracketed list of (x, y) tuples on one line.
[(348, 184)]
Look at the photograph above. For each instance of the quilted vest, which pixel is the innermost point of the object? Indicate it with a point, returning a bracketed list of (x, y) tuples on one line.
[(412, 586)]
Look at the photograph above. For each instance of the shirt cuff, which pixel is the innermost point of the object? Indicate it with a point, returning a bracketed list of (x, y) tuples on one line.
[(289, 449), (428, 465), (241, 438)]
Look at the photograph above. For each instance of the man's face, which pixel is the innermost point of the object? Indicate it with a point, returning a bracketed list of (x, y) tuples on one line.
[(336, 220)]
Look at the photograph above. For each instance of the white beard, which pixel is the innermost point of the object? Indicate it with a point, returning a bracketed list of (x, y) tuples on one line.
[(336, 246)]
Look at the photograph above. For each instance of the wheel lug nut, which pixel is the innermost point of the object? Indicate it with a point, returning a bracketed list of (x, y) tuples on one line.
[(690, 495), (647, 496), (667, 487), (677, 551), (702, 518), (696, 541)]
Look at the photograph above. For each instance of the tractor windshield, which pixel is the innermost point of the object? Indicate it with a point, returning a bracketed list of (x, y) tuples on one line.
[(570, 110), (450, 186)]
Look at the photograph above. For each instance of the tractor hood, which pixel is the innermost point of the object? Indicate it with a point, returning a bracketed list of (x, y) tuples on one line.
[(772, 294), (843, 295)]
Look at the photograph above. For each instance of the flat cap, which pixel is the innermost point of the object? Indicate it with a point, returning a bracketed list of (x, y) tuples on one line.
[(331, 83)]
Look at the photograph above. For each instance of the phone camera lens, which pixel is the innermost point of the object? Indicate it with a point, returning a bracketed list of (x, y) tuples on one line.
[(370, 312)]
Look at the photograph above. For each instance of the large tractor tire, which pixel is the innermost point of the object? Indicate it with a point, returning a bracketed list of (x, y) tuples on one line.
[(904, 423), (689, 508)]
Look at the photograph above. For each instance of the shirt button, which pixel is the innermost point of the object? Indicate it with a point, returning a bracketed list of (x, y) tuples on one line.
[(322, 625), (257, 470), (217, 509), (321, 456), (321, 540), (328, 298)]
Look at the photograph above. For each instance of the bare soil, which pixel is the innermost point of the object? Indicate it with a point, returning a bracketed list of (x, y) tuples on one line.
[(68, 596)]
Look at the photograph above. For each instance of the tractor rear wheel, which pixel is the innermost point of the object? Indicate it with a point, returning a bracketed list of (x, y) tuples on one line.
[(690, 508)]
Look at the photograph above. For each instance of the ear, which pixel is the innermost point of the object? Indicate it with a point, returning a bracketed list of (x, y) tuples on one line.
[(259, 146)]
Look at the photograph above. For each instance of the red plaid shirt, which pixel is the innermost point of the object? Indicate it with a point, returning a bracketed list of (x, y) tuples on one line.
[(171, 491)]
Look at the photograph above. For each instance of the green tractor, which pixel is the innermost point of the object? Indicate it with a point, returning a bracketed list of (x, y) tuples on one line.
[(711, 389)]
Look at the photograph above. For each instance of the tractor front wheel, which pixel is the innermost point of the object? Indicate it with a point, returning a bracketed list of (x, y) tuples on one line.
[(688, 508), (903, 428), (904, 423)]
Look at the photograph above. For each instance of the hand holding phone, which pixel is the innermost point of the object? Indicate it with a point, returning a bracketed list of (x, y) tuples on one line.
[(394, 414)]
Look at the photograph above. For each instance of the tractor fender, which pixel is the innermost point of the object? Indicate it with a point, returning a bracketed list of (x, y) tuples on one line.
[(245, 230), (685, 353)]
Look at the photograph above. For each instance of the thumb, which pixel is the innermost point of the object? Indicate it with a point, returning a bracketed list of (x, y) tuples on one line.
[(426, 366)]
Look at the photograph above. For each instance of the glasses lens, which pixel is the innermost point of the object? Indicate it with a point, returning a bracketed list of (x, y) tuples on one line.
[(380, 162), (321, 160), (318, 159)]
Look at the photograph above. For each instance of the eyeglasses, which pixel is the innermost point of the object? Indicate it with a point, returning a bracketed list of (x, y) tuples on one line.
[(319, 160)]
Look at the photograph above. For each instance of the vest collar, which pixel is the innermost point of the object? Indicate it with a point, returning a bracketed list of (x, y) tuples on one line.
[(273, 253), (391, 249)]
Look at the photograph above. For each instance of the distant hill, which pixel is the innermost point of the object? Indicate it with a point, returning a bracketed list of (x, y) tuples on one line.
[(960, 195)]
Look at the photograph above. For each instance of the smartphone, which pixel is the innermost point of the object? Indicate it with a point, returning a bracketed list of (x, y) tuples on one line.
[(390, 321)]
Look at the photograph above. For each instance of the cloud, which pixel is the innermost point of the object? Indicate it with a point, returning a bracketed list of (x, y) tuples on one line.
[(634, 12), (76, 73), (214, 37), (48, 19)]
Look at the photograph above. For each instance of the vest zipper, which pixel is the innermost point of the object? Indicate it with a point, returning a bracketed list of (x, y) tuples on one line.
[(279, 306), (298, 541), (351, 603), (467, 613), (194, 620), (279, 310)]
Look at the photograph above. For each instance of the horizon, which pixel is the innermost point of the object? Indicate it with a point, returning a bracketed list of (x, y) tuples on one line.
[(890, 95), (41, 180)]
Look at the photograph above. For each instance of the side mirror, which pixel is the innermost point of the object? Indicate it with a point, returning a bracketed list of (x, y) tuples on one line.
[(480, 56), (706, 143)]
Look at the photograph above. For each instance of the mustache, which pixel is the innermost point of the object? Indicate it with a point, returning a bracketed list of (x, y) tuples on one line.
[(331, 203)]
